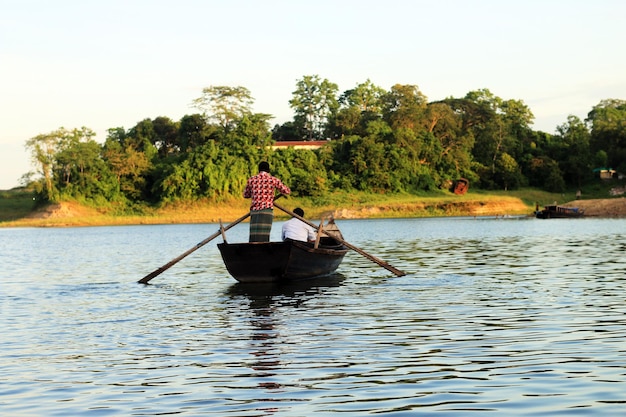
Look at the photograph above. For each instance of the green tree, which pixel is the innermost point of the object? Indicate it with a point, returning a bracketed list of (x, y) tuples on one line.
[(608, 131), (252, 133), (455, 143), (50, 152), (414, 148), (301, 170), (366, 159), (130, 156), (43, 149), (224, 104), (508, 172), (142, 137), (489, 129), (165, 136), (501, 127), (86, 175), (194, 131), (357, 107), (575, 155), (288, 131), (404, 106), (546, 174), (600, 159), (335, 157), (314, 102)]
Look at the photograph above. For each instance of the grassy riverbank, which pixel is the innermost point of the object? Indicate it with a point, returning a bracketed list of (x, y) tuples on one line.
[(17, 208)]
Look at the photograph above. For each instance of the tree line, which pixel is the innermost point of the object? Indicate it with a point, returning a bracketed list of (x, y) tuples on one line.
[(376, 140)]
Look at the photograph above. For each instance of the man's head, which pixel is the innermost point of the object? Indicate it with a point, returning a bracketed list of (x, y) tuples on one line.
[(299, 211), (264, 166)]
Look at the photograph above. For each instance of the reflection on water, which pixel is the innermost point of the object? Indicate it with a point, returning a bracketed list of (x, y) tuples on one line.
[(261, 302), (510, 316)]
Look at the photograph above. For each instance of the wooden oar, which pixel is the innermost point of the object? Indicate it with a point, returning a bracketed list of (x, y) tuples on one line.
[(158, 271), (223, 229), (348, 245)]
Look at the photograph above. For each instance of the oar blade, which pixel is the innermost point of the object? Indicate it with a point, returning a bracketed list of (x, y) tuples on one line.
[(160, 270), (151, 275)]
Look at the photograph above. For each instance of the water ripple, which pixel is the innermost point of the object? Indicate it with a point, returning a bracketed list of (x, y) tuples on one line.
[(517, 317)]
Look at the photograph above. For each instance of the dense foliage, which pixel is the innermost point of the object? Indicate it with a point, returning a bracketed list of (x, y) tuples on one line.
[(376, 140)]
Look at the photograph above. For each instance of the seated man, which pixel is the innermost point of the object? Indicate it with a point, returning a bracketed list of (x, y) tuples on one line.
[(295, 229)]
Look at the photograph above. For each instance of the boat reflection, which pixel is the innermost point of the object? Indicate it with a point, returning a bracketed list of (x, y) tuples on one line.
[(263, 295), (266, 343)]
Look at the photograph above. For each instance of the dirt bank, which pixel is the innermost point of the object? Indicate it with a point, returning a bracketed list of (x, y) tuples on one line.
[(607, 207), (506, 206), (73, 214), (63, 210)]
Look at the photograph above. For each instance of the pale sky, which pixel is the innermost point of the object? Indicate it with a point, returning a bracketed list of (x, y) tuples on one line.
[(112, 63)]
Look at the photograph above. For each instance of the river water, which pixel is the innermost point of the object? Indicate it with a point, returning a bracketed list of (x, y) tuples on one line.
[(510, 316)]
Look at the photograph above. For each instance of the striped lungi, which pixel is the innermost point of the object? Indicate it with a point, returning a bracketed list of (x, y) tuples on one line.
[(261, 225)]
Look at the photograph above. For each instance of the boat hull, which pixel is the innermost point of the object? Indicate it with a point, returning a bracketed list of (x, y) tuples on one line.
[(280, 261), (559, 212)]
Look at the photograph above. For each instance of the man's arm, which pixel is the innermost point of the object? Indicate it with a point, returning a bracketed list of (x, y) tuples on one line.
[(282, 187), (247, 192)]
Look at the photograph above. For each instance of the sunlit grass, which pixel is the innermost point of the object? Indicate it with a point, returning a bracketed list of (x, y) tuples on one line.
[(15, 204)]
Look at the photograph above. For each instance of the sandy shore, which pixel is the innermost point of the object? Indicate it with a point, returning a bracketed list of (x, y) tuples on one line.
[(608, 207)]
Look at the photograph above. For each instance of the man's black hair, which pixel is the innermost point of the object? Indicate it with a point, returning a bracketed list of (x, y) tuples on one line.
[(264, 166)]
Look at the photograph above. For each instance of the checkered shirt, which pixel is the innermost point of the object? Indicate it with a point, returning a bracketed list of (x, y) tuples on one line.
[(260, 188)]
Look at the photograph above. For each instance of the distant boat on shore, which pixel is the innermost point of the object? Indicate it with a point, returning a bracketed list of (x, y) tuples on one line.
[(559, 212)]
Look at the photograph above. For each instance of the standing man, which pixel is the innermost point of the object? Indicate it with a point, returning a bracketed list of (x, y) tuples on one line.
[(260, 188)]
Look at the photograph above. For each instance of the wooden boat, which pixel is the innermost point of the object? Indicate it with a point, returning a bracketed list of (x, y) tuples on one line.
[(281, 261), (559, 212), (276, 261), (289, 260)]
